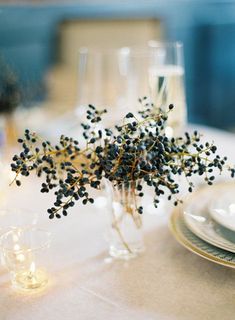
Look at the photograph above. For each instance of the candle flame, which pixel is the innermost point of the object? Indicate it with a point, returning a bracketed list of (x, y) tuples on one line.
[(32, 267), (16, 247)]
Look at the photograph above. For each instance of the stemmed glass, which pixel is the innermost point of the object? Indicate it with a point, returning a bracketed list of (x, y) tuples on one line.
[(116, 78), (104, 79)]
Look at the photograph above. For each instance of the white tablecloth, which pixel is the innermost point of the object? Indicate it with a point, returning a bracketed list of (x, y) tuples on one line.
[(167, 282)]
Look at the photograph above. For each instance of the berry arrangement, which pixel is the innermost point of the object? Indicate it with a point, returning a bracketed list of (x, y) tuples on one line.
[(136, 152)]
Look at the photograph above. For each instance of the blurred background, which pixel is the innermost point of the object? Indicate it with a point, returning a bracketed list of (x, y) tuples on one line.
[(40, 41)]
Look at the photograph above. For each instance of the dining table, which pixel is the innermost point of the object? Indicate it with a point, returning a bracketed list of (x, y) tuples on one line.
[(166, 282)]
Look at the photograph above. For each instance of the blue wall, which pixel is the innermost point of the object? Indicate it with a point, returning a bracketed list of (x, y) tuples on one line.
[(207, 29)]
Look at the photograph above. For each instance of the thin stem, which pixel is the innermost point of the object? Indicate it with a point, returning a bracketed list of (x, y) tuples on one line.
[(115, 225)]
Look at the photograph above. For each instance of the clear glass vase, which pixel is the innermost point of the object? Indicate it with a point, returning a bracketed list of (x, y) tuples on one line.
[(126, 231)]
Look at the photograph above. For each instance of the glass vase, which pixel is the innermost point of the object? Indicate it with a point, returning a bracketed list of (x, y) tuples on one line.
[(126, 231)]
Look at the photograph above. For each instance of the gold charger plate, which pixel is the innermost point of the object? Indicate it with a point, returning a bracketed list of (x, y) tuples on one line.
[(193, 243)]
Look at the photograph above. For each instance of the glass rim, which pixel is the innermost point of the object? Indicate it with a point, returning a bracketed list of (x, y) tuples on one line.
[(161, 44), (147, 49), (45, 244)]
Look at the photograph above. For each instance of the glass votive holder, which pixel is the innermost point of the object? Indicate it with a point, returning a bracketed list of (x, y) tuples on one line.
[(15, 218), (25, 253)]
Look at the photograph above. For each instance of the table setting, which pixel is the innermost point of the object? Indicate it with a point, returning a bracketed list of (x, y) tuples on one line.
[(196, 228), (114, 221)]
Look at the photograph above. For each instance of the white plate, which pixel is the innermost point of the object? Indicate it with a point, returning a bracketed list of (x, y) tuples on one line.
[(199, 221), (196, 245), (222, 208)]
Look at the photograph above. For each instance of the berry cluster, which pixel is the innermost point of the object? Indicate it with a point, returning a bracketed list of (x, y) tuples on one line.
[(137, 150)]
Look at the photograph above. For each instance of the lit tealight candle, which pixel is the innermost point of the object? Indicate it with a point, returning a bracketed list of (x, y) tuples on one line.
[(22, 250), (31, 279)]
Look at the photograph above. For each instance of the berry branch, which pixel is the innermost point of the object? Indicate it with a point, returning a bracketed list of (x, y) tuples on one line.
[(137, 151)]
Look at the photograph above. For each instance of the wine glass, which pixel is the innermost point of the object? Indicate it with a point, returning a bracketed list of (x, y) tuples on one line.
[(114, 79), (105, 80)]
